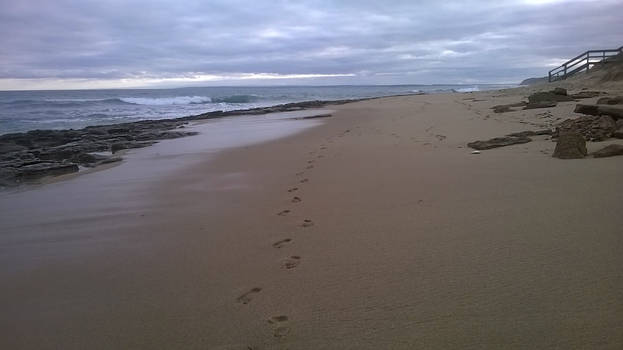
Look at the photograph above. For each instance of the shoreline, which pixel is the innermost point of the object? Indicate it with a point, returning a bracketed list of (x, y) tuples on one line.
[(29, 156), (409, 235)]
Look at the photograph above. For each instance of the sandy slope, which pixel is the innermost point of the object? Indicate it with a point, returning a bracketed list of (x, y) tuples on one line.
[(412, 243)]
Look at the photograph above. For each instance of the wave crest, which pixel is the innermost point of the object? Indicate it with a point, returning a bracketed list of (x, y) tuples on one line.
[(159, 101)]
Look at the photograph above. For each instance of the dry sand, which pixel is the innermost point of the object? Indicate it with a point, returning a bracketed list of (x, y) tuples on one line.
[(411, 242)]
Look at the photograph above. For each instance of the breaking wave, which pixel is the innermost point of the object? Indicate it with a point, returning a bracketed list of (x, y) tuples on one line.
[(467, 89), (159, 101)]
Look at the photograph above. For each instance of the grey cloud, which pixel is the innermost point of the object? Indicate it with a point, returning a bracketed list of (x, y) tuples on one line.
[(405, 41)]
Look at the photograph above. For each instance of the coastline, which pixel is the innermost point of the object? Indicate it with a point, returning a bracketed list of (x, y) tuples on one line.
[(412, 242), (27, 157)]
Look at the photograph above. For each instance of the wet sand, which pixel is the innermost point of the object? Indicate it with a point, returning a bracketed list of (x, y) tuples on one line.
[(377, 229)]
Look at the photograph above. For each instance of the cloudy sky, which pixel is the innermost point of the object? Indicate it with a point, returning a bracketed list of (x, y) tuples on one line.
[(55, 44)]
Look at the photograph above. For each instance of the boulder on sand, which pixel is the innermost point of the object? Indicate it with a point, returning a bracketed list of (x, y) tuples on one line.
[(571, 145), (548, 96), (586, 94), (593, 128), (498, 142), (614, 112), (542, 104), (507, 107), (609, 151), (559, 91), (531, 133), (615, 100)]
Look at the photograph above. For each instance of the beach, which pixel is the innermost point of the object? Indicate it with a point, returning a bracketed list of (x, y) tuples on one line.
[(375, 228)]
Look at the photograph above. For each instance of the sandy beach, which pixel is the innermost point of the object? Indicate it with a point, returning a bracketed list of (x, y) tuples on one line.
[(376, 228)]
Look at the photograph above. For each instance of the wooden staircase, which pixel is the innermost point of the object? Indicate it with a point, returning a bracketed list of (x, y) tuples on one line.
[(584, 62)]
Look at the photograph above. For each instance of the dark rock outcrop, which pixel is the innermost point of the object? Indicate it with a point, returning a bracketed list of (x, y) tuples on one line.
[(614, 112), (586, 109), (548, 96), (559, 91), (507, 107), (609, 151), (618, 133), (586, 94), (532, 133), (592, 128), (615, 100), (498, 142), (542, 104), (45, 169), (570, 145)]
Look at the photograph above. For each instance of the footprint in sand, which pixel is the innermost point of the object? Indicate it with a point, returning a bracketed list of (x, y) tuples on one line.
[(440, 137), (300, 173), (320, 156), (280, 330), (283, 212), (296, 199), (293, 189), (307, 223), (291, 262), (281, 243), (310, 161), (309, 167), (248, 296), (304, 181)]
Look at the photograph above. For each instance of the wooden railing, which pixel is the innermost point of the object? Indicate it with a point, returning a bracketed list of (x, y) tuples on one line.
[(583, 62)]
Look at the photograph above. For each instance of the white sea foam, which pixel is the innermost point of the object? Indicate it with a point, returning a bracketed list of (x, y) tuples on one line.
[(468, 89), (160, 101)]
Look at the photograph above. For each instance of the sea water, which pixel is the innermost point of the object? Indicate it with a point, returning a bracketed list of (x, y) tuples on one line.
[(73, 109)]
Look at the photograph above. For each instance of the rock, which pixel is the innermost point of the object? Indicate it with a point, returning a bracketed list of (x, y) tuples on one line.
[(616, 100), (507, 107), (559, 91), (8, 177), (586, 109), (118, 130), (501, 109), (498, 142), (609, 151), (84, 158), (542, 104), (550, 96), (9, 147), (586, 94), (614, 112), (531, 133), (593, 128), (570, 146), (46, 169), (111, 160), (618, 133), (118, 146)]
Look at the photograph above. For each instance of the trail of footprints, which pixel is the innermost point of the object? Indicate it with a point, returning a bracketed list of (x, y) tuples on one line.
[(279, 323)]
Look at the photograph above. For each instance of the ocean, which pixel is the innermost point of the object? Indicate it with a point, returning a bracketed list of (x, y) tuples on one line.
[(73, 109)]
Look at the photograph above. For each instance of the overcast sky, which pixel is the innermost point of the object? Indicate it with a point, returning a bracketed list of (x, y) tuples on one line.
[(56, 44)]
